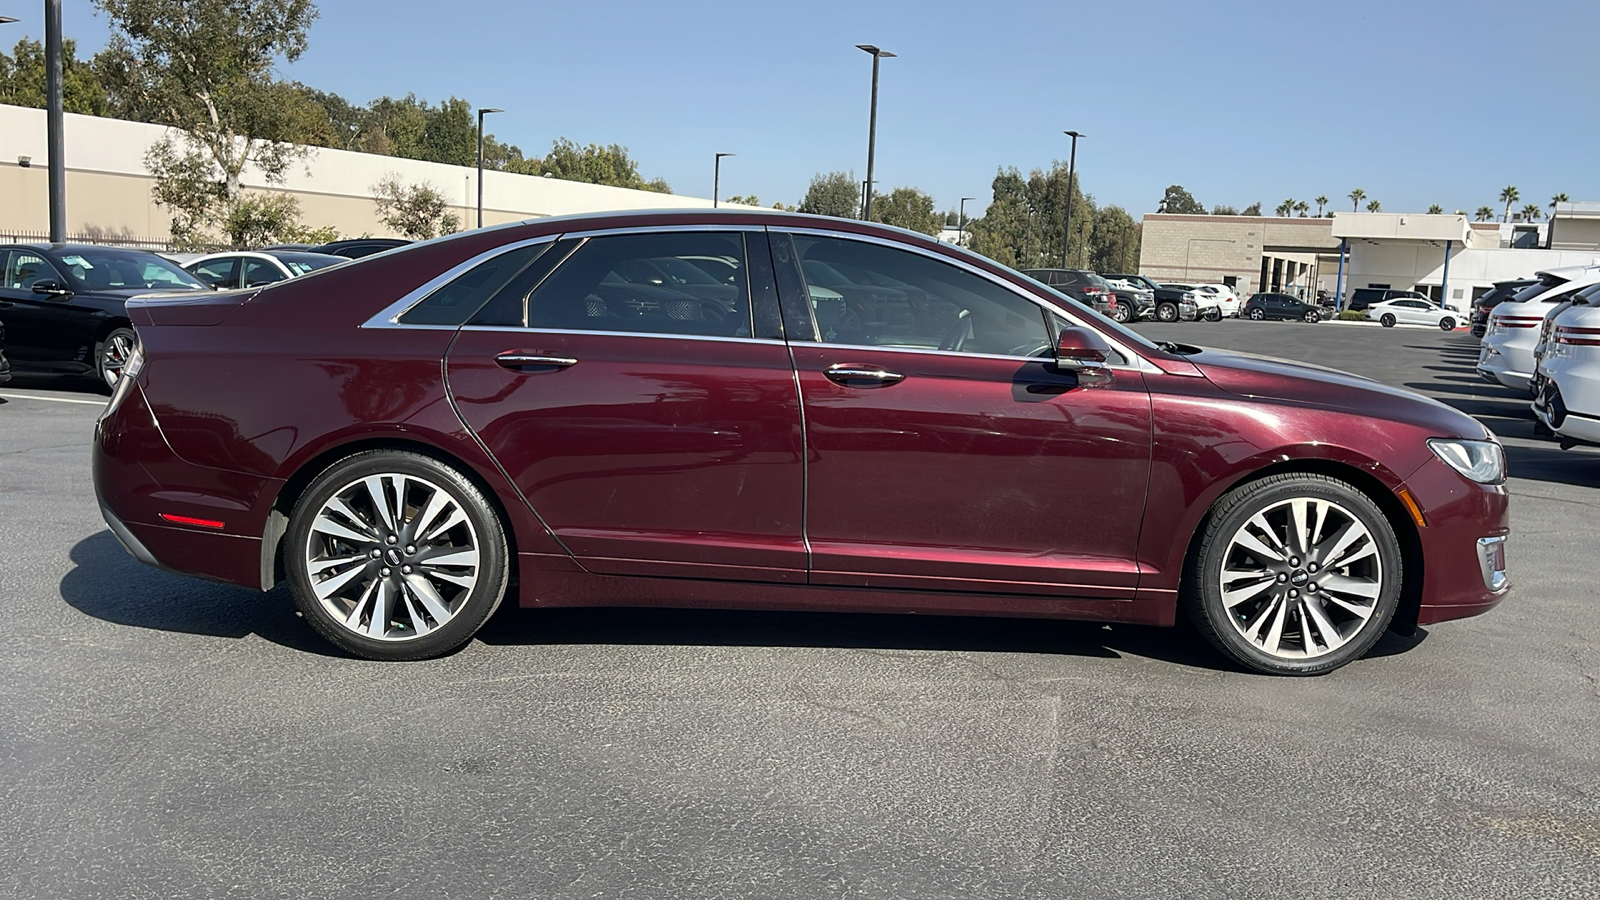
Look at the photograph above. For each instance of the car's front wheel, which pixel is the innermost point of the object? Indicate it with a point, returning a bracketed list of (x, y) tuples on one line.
[(112, 356), (1387, 320), (394, 555), (1121, 313), (1167, 312), (1214, 314), (1258, 314), (1447, 324), (1312, 316), (1294, 574)]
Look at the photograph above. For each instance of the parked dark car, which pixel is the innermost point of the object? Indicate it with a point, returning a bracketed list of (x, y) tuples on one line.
[(1279, 306), (5, 364), (64, 304), (356, 248), (1501, 292), (1172, 305), (1087, 288), (493, 414), (1361, 298)]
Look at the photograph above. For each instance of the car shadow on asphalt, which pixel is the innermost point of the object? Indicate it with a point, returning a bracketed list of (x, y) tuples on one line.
[(108, 584)]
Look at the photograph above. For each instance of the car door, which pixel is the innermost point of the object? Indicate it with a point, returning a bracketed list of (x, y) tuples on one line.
[(955, 456), (221, 273), (256, 271), (655, 432), (40, 328)]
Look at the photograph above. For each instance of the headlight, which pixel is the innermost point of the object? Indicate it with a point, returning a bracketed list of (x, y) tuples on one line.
[(1480, 461)]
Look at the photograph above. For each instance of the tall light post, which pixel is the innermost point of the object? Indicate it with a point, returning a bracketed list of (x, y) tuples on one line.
[(961, 223), (1072, 179), (872, 126), (55, 119), (481, 114), (716, 177)]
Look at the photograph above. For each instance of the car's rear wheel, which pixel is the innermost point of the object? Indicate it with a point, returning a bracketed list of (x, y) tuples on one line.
[(1258, 314), (1167, 312), (1214, 315), (1312, 316), (394, 555), (1447, 324), (113, 353), (1294, 574), (1387, 320)]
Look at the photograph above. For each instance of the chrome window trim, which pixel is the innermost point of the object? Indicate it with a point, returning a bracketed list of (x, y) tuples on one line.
[(517, 329), (1140, 363), (389, 316), (660, 229)]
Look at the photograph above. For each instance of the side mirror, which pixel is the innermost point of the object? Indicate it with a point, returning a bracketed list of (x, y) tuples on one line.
[(54, 288), (1084, 351)]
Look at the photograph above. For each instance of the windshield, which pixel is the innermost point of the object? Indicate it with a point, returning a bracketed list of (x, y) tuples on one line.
[(103, 268), (301, 263)]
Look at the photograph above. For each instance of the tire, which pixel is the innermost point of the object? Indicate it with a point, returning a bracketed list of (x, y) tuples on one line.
[(1277, 590), (1447, 324), (1213, 315), (1257, 314), (1312, 317), (1167, 312), (1387, 320), (431, 609), (1121, 313), (111, 355)]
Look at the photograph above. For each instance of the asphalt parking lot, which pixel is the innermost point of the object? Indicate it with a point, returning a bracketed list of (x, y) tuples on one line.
[(163, 736)]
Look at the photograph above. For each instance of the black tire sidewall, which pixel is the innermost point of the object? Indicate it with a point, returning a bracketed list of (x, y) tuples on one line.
[(480, 605), (1203, 596), (1447, 324), (1386, 320), (1166, 312)]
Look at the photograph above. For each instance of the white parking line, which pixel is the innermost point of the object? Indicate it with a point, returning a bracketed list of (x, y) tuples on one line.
[(52, 399)]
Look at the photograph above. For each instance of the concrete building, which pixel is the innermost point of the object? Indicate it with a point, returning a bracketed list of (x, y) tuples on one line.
[(109, 190), (1251, 253)]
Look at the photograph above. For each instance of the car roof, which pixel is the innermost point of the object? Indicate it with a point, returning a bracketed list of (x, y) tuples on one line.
[(75, 248)]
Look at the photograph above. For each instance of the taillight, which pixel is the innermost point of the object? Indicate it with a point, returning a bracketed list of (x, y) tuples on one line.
[(1575, 336), (1094, 290), (1519, 321)]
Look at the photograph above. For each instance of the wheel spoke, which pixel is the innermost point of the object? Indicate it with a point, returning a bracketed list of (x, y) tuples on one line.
[(419, 623), (461, 557), (323, 565), (1331, 636), (419, 525), (466, 581), (330, 586), (1345, 584), (1233, 598), (1252, 543), (455, 518), (430, 598), (353, 621), (1300, 526), (382, 604), (1340, 542), (350, 515), (325, 525), (379, 495)]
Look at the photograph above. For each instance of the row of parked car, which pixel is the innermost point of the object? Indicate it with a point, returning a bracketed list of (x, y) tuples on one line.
[(1132, 298), (1542, 335)]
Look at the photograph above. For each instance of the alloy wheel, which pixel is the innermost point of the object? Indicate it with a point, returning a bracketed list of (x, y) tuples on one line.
[(392, 556), (1257, 314), (1301, 578), (1166, 312), (115, 351)]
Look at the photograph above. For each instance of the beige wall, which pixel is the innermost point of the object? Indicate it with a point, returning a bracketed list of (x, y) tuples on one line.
[(1212, 248)]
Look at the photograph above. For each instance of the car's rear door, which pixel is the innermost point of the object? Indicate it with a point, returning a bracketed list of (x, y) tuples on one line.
[(654, 431), (954, 456), (40, 328), (221, 273)]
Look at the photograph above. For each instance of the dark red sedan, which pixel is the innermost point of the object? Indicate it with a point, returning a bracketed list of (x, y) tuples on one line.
[(647, 409)]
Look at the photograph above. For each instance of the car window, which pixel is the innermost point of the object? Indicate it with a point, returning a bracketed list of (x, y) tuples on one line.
[(103, 268), (258, 272), (25, 269), (913, 301), (614, 283), (222, 273), (456, 301)]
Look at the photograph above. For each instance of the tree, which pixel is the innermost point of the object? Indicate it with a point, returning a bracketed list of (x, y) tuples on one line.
[(1286, 208), (1356, 196), (1508, 196), (1022, 225), (1321, 201), (1435, 210), (907, 207), (1224, 211), (1374, 206), (205, 68), (1532, 213), (1253, 209), (1114, 243), (1302, 207), (1179, 201), (418, 212), (744, 200), (1558, 199), (596, 164), (1484, 214), (259, 220), (835, 194), (22, 79)]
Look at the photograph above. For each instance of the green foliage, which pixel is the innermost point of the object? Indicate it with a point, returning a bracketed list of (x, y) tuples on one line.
[(1253, 209), (1353, 315), (418, 212), (1224, 211), (744, 200), (1114, 244), (1559, 198), (595, 164), (1023, 225), (259, 220), (1179, 201), (1356, 196), (1532, 213), (908, 208), (1286, 208), (835, 194), (1484, 214), (1374, 206), (22, 79), (1435, 209), (1321, 202)]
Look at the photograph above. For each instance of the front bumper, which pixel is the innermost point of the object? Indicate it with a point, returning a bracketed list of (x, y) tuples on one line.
[(1463, 546)]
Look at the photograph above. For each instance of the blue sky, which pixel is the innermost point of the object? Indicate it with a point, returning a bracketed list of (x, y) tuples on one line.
[(1415, 101)]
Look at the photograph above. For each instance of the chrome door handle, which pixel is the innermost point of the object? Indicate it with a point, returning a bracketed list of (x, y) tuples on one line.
[(861, 376), (526, 359)]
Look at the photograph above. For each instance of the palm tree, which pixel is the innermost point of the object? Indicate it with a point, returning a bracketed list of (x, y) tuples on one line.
[(1532, 213), (1321, 201), (1435, 210), (1286, 208), (1484, 214), (1508, 197), (1374, 206), (1356, 197), (1559, 198), (1302, 207)]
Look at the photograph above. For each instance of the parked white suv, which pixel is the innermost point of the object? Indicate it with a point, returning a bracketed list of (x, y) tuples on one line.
[(1207, 303), (1507, 356), (1567, 382), (1227, 298)]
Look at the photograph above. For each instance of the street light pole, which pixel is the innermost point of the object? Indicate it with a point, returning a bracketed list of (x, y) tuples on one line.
[(56, 121), (961, 223), (872, 126), (1072, 179), (481, 114), (716, 177)]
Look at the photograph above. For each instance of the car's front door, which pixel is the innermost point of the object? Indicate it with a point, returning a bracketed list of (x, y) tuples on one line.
[(221, 273), (948, 452), (40, 328), (654, 430)]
